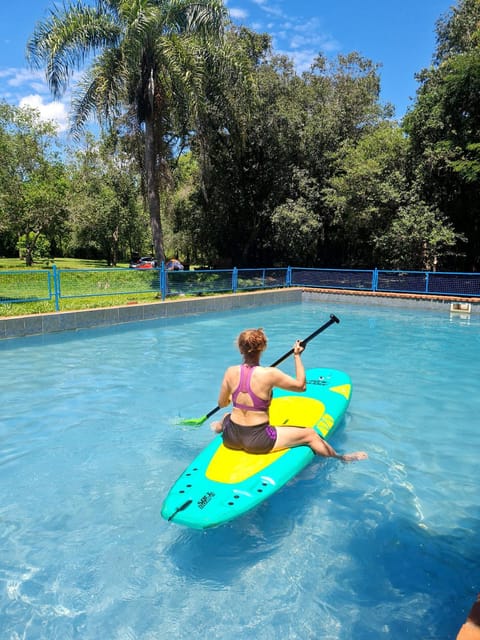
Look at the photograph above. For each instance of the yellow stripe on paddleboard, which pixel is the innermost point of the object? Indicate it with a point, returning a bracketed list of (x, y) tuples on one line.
[(344, 390), (230, 466), (325, 424)]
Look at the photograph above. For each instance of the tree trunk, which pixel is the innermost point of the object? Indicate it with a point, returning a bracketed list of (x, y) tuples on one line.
[(153, 189), (30, 244), (115, 237)]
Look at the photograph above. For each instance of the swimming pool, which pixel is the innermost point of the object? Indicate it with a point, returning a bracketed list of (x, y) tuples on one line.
[(386, 548)]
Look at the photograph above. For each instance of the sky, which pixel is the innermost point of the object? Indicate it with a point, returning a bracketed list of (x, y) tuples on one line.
[(397, 34)]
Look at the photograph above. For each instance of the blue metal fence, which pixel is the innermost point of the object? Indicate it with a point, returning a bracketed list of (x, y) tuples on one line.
[(356, 279), (59, 284), (32, 285)]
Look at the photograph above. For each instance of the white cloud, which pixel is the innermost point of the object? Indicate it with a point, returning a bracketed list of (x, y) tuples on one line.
[(20, 77), (238, 14), (27, 87), (54, 110), (309, 34), (302, 60), (273, 11), (297, 38), (15, 83), (302, 41)]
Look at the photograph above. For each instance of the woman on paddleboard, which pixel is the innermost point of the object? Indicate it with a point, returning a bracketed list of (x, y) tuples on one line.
[(249, 387)]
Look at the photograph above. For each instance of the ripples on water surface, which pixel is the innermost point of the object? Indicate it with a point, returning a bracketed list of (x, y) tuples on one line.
[(387, 548)]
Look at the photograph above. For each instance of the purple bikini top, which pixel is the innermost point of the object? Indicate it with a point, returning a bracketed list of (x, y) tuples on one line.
[(259, 404)]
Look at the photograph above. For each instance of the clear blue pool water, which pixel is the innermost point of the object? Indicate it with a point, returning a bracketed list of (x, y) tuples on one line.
[(387, 548)]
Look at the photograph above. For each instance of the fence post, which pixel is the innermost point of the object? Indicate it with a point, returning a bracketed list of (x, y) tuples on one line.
[(163, 281), (289, 277), (375, 279), (56, 286), (234, 279), (426, 281)]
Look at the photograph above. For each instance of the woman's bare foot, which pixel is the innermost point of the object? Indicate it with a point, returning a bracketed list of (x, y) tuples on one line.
[(352, 457)]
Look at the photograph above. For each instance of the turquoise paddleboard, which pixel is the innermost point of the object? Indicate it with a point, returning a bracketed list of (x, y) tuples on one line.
[(222, 484)]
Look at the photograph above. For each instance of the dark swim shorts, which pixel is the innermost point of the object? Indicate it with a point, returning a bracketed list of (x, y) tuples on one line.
[(258, 439)]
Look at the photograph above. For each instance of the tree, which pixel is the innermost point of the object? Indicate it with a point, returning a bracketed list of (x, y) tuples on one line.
[(364, 193), (185, 236), (417, 238), (234, 151), (263, 167), (149, 58), (106, 218), (296, 228), (378, 215), (33, 183), (444, 129)]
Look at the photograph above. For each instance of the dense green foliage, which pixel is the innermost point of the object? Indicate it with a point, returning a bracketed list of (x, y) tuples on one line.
[(33, 181), (444, 129), (250, 162), (107, 217)]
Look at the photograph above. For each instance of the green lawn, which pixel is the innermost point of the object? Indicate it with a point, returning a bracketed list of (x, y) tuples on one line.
[(88, 284), (110, 286), (61, 263)]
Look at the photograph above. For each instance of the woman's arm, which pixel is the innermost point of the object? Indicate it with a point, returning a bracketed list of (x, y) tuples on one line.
[(225, 395), (284, 381)]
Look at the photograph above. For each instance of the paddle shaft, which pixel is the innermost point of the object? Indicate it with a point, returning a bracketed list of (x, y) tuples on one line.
[(333, 319)]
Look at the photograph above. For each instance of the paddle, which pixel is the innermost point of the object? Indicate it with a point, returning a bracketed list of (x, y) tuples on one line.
[(199, 421)]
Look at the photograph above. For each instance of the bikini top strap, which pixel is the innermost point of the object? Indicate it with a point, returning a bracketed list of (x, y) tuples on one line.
[(258, 404), (244, 382)]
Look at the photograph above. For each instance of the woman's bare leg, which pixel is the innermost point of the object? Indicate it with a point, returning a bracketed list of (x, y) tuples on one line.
[(217, 425), (288, 437)]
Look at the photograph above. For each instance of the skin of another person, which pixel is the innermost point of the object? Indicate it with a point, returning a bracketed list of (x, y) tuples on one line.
[(471, 629), (252, 343)]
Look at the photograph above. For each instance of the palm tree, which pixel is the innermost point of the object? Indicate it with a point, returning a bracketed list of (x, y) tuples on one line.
[(146, 59)]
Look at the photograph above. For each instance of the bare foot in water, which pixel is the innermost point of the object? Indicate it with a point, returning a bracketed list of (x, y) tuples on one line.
[(352, 457)]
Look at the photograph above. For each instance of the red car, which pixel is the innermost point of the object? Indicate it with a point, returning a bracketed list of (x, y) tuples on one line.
[(146, 262)]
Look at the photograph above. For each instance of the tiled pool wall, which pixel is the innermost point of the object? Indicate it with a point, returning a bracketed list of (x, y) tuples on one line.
[(89, 318), (447, 304)]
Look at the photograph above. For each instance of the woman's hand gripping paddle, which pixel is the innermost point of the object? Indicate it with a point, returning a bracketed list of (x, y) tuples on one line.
[(199, 421)]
